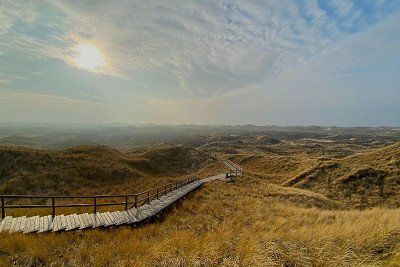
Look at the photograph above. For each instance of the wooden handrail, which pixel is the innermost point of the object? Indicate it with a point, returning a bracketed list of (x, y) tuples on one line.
[(91, 196), (235, 165), (237, 169), (137, 201)]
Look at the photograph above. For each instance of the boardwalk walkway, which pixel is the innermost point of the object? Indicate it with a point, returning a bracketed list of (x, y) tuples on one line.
[(62, 222)]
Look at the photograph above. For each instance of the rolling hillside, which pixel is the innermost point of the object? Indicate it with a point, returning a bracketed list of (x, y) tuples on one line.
[(96, 169), (363, 180), (287, 210)]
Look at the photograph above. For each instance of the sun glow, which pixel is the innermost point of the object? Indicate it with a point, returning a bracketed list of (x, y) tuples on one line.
[(88, 57)]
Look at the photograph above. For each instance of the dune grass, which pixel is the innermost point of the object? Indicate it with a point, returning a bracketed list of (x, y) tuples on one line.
[(253, 221), (244, 223)]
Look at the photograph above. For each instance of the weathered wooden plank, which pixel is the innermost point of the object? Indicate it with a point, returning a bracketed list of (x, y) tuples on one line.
[(116, 219), (21, 224), (84, 221), (36, 224), (78, 220), (141, 216), (113, 218), (89, 219), (63, 222), (108, 218), (60, 223), (47, 224), (81, 224), (145, 212), (100, 219), (127, 218), (119, 217), (6, 223), (17, 223), (132, 214), (125, 215), (42, 224), (72, 222), (67, 221), (96, 220), (56, 223), (30, 225), (2, 224), (76, 223), (14, 224)]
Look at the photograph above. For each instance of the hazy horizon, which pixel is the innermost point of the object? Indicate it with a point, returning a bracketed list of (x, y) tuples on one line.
[(116, 124), (285, 63)]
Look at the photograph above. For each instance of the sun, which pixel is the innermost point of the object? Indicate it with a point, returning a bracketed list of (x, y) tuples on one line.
[(88, 57)]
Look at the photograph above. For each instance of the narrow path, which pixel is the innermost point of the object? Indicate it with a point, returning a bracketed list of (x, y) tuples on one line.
[(39, 224)]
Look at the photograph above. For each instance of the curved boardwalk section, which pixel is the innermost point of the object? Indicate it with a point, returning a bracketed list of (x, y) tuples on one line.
[(39, 224), (100, 219)]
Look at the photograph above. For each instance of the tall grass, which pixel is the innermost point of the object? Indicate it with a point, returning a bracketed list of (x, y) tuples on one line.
[(227, 224)]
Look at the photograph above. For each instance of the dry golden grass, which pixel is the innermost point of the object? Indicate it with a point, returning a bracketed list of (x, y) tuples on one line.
[(95, 170), (369, 178), (254, 221), (98, 169), (244, 223)]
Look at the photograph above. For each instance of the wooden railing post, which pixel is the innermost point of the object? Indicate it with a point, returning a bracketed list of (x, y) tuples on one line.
[(148, 197), (136, 198), (53, 207), (94, 205), (3, 209), (157, 193), (126, 202)]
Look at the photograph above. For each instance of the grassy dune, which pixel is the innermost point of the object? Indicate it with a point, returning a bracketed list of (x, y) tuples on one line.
[(366, 179), (88, 170), (97, 169), (244, 223), (275, 215)]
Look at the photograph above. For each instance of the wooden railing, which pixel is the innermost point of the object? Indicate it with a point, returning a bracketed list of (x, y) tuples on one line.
[(130, 200), (236, 171)]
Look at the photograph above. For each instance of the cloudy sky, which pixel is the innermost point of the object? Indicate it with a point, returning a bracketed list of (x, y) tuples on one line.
[(286, 62)]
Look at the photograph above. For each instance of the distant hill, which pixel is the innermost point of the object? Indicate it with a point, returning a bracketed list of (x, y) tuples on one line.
[(16, 140), (266, 140), (95, 169), (70, 143)]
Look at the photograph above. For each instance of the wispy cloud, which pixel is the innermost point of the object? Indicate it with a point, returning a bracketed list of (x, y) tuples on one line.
[(45, 99), (184, 50)]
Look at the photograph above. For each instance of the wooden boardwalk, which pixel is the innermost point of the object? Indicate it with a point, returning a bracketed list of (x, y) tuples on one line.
[(39, 224), (234, 169)]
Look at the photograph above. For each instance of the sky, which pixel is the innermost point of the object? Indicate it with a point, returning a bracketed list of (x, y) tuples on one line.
[(286, 62)]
